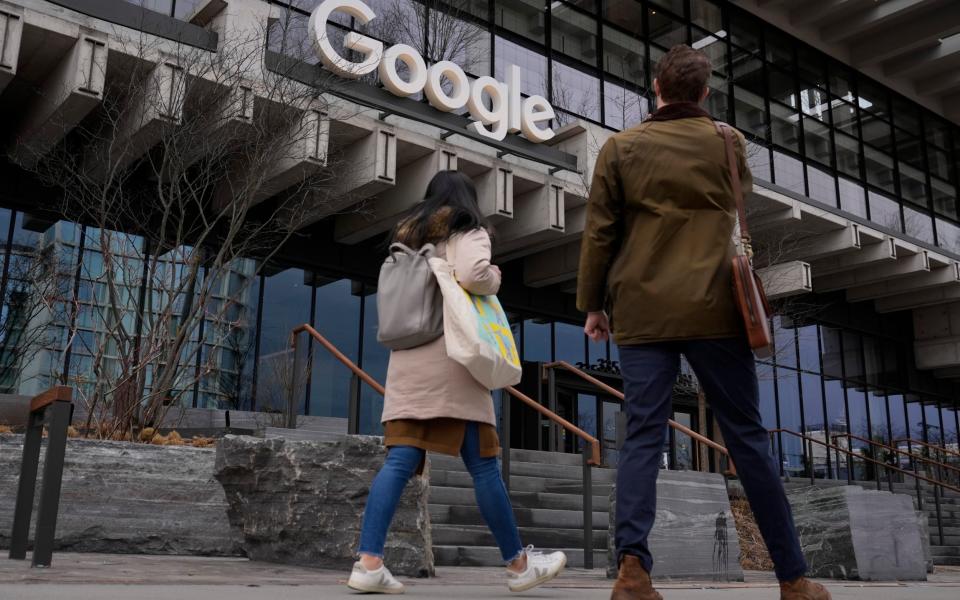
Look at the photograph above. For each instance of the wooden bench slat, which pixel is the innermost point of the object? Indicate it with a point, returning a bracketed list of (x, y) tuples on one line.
[(58, 393)]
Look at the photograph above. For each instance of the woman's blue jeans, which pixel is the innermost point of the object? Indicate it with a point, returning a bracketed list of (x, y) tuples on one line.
[(402, 462)]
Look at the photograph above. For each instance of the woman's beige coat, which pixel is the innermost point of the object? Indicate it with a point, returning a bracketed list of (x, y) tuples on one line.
[(423, 382)]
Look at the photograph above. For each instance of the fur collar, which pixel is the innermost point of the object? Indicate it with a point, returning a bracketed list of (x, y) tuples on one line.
[(679, 110)]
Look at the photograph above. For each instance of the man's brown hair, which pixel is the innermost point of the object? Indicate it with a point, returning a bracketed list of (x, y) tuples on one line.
[(682, 73)]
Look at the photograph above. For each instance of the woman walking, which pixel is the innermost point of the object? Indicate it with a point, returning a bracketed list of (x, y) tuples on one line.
[(433, 403)]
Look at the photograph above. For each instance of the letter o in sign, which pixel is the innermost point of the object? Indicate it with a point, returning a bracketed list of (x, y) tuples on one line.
[(437, 96), (391, 78)]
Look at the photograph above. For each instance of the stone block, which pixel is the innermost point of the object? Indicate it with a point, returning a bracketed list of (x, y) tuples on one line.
[(300, 502), (120, 497), (852, 533), (694, 535)]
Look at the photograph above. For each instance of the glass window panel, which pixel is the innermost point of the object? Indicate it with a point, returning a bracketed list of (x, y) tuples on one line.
[(768, 400), (848, 154), (783, 87), (744, 31), (523, 17), (675, 6), (814, 103), (665, 31), (937, 131), (841, 82), (860, 426), (812, 66), (879, 420), (852, 355), (570, 344), (779, 49), (898, 421), (627, 14), (748, 75), (872, 357), (337, 318), (836, 410), (809, 344), (879, 168), (909, 148), (873, 98), (286, 304), (706, 14), (817, 144), (398, 21), (822, 186), (877, 132), (948, 235), (939, 163), (915, 421), (713, 44), (596, 351), (536, 341), (913, 185), (374, 361), (788, 390), (830, 352), (750, 112), (934, 430), (884, 211), (160, 6), (918, 224), (623, 108), (576, 92), (950, 428), (758, 159), (533, 66), (784, 336), (844, 117), (574, 33), (906, 115), (623, 56), (788, 172), (814, 420), (785, 124), (460, 41), (717, 103)]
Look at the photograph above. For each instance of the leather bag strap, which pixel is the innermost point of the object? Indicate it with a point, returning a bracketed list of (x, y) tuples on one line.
[(727, 134)]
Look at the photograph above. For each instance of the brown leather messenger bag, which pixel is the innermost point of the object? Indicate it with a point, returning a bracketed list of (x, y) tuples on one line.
[(747, 287)]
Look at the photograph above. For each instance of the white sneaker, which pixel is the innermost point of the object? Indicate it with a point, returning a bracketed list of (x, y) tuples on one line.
[(541, 568), (380, 581)]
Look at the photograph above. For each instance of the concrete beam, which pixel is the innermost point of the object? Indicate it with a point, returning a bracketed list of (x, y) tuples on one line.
[(370, 168), (825, 245), (812, 13), (551, 267), (948, 373), (939, 56), (916, 282), (584, 140), (539, 217), (306, 154), (939, 353), (11, 34), (907, 34), (774, 221), (902, 267), (918, 299), (495, 191), (575, 221), (938, 84), (873, 254), (72, 90), (786, 279), (155, 108), (878, 15), (383, 213)]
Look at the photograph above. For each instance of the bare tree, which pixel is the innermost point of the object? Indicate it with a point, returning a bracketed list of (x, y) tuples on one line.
[(195, 163)]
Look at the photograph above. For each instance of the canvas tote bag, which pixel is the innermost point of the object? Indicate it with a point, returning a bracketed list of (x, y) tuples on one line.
[(476, 331)]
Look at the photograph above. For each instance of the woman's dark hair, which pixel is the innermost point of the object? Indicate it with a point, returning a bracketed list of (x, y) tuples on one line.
[(449, 207)]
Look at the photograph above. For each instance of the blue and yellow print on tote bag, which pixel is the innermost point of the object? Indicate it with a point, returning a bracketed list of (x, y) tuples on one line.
[(493, 326)]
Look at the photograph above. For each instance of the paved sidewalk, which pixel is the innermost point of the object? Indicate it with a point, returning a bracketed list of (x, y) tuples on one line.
[(116, 577)]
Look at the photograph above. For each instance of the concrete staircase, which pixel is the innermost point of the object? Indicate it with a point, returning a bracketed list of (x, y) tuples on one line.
[(311, 429), (546, 492)]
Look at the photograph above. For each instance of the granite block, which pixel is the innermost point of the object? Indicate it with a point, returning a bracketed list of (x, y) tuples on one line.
[(694, 535), (852, 533)]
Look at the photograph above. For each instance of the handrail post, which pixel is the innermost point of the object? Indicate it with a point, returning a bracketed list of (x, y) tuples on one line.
[(296, 379), (505, 401), (353, 406), (813, 466), (587, 511), (936, 501), (552, 405)]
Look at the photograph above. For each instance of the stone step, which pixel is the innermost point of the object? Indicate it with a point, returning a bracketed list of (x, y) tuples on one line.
[(479, 535), (947, 561), (529, 469), (461, 496), (489, 556), (322, 423), (302, 435), (518, 483), (546, 458), (948, 540), (944, 550), (443, 514)]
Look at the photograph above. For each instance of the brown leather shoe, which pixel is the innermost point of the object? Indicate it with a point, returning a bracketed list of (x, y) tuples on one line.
[(803, 589), (634, 582)]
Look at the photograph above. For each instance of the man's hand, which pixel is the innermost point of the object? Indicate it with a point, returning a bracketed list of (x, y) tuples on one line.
[(597, 327)]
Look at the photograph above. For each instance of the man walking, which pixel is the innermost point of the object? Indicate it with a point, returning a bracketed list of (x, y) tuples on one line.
[(657, 251)]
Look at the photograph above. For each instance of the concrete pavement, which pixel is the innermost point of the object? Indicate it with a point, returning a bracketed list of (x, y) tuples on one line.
[(110, 577)]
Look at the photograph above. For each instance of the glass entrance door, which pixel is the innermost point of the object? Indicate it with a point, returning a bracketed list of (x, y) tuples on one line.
[(679, 450)]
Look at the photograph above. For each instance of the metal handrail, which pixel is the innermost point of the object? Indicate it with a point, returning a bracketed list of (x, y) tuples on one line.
[(916, 476), (928, 445), (895, 449), (618, 394), (595, 458)]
